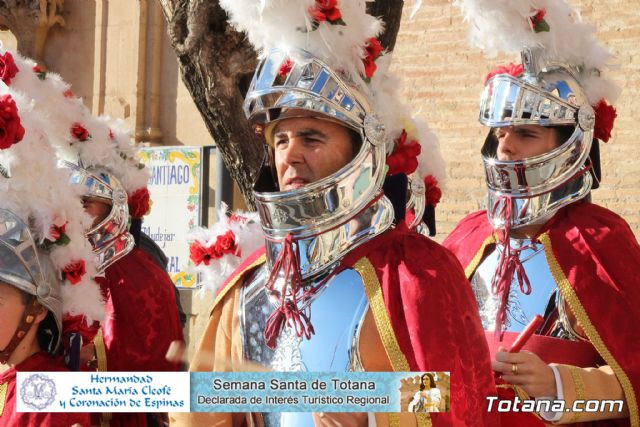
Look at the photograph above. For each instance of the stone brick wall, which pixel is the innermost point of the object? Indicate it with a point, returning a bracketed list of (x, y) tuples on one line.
[(443, 80)]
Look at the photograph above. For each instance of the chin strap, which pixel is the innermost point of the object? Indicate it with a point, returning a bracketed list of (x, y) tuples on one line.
[(292, 296), (28, 317), (509, 265)]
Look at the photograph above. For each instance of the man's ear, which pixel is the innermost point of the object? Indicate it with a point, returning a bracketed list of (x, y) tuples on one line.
[(42, 313)]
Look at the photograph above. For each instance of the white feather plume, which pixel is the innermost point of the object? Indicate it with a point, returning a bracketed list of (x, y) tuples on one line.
[(287, 25), (248, 237), (110, 145), (505, 26), (40, 194)]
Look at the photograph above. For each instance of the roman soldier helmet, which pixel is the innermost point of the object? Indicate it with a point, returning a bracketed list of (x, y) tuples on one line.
[(560, 83), (323, 60)]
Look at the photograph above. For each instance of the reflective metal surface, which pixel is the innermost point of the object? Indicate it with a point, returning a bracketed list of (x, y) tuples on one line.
[(536, 209), (544, 299), (110, 238), (24, 266), (297, 79), (338, 311), (417, 199), (317, 252), (113, 250), (545, 95)]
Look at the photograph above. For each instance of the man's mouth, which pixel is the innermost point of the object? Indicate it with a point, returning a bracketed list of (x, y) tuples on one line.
[(295, 182)]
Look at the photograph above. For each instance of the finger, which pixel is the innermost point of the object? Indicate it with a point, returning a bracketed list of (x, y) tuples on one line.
[(521, 357), (502, 367), (521, 380)]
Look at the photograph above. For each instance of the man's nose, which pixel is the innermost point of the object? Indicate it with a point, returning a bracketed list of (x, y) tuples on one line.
[(294, 153), (507, 143)]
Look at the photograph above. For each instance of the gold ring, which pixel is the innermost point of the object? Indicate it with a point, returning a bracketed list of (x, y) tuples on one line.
[(514, 369)]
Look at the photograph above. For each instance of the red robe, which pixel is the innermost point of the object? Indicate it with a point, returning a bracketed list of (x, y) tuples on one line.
[(417, 289), (39, 362), (594, 258), (141, 320)]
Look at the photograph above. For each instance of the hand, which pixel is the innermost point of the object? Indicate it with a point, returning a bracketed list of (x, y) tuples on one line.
[(88, 357), (533, 375), (340, 419)]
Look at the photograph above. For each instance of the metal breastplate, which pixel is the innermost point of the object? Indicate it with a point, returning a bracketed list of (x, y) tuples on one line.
[(338, 311), (521, 308)]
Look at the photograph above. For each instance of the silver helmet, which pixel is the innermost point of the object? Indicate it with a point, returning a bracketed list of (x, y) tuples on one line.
[(293, 84), (110, 238), (28, 268), (531, 190)]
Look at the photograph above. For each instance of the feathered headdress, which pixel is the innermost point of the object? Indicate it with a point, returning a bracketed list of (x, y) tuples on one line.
[(39, 193), (342, 35), (556, 28), (78, 136)]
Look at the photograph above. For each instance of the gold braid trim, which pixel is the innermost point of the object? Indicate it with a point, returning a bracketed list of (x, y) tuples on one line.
[(379, 310), (578, 384), (592, 333), (235, 280), (3, 396), (101, 351), (475, 261), (397, 358), (101, 357)]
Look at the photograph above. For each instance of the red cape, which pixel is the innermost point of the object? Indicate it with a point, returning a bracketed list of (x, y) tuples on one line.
[(39, 362), (418, 292), (141, 321), (594, 258)]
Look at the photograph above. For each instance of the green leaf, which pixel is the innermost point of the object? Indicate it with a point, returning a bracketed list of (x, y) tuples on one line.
[(63, 240), (542, 26)]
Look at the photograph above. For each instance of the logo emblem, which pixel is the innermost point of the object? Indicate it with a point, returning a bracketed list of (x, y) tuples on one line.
[(38, 392)]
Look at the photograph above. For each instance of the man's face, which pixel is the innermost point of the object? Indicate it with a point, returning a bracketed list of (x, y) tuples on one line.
[(96, 208), (11, 310), (309, 149), (521, 142)]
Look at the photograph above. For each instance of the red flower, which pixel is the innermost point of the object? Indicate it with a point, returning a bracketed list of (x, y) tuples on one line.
[(55, 231), (74, 272), (538, 17), (226, 244), (68, 93), (605, 117), (374, 49), (405, 156), (79, 132), (538, 23), (325, 10), (432, 192), (515, 70), (199, 254), (11, 130), (139, 203), (285, 68), (8, 68)]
